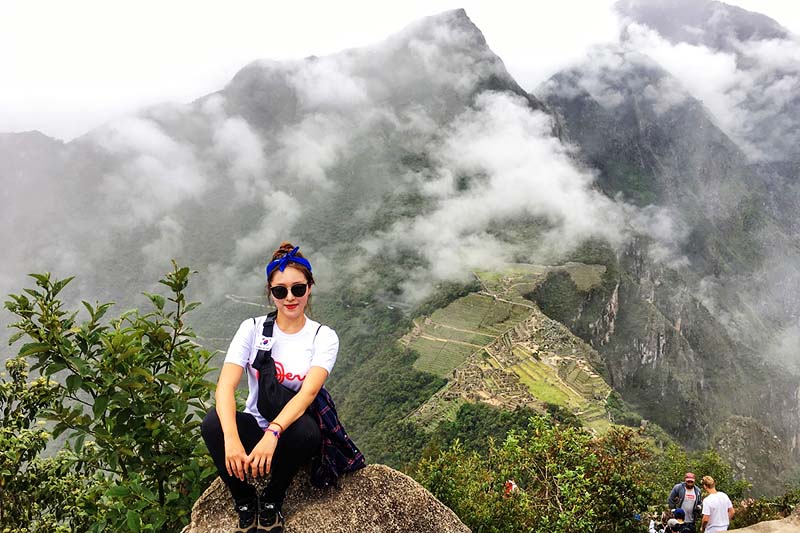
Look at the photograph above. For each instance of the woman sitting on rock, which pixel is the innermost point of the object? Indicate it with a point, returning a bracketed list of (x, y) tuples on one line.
[(287, 418)]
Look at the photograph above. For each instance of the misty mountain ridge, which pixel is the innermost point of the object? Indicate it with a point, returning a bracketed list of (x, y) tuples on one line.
[(418, 160), (743, 65)]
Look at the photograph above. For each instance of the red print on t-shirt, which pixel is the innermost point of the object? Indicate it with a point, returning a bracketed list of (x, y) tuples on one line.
[(280, 374)]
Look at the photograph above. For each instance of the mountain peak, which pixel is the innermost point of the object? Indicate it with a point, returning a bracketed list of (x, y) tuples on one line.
[(702, 22), (440, 62)]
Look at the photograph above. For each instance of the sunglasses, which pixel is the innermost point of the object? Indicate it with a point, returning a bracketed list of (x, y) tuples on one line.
[(280, 292)]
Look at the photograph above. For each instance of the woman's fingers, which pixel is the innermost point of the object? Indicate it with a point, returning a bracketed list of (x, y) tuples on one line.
[(237, 467), (260, 462)]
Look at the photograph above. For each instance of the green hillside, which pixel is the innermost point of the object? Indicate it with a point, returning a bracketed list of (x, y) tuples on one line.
[(497, 347)]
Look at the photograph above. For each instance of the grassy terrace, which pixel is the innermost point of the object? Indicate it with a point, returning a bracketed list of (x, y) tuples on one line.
[(543, 381), (462, 328), (581, 381)]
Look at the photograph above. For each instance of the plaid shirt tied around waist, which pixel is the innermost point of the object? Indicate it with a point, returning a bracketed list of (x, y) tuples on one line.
[(339, 453)]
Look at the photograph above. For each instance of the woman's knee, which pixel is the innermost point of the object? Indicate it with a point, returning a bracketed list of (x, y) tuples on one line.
[(303, 434), (210, 426)]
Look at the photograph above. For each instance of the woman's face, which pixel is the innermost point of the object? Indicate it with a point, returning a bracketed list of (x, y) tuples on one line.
[(292, 306)]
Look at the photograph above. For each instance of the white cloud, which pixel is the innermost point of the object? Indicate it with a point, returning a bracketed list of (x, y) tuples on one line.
[(610, 74), (517, 169), (746, 90), (241, 148), (156, 172), (329, 83), (168, 245), (281, 211), (311, 147)]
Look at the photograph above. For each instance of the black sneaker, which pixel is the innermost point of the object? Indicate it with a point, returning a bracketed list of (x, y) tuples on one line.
[(269, 518), (247, 517)]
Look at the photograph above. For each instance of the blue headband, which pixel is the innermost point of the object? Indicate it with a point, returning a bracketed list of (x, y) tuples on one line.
[(283, 261)]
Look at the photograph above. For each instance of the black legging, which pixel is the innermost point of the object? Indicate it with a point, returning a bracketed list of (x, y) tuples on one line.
[(296, 446)]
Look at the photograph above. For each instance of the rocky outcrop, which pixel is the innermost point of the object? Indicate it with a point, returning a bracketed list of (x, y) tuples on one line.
[(786, 525), (372, 500)]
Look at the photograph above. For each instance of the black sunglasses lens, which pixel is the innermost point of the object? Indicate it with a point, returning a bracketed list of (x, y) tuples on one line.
[(299, 289), (279, 292)]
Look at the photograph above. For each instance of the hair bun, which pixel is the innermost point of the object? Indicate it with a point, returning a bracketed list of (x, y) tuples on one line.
[(284, 249)]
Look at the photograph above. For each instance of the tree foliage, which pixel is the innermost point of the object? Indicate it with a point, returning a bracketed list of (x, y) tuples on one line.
[(129, 393), (37, 494), (568, 480), (672, 464)]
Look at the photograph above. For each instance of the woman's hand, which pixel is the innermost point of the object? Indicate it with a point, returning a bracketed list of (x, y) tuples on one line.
[(236, 460), (260, 459)]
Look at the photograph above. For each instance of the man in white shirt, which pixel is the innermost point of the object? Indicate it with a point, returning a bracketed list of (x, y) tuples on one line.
[(717, 508)]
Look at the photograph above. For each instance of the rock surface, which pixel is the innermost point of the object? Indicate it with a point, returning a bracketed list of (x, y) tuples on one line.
[(787, 525), (372, 500)]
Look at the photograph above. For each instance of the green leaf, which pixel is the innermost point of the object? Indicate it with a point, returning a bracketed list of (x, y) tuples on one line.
[(78, 446), (134, 521), (118, 491), (15, 337), (82, 366), (58, 285), (41, 279), (191, 306), (49, 370), (157, 299), (169, 378), (33, 348), (139, 371), (74, 382), (99, 407)]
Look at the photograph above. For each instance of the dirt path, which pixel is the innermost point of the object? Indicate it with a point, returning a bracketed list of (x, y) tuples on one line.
[(431, 338), (499, 299), (242, 300), (465, 330)]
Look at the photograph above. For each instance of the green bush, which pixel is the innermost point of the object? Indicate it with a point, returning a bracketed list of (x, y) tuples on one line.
[(37, 494), (750, 511), (130, 394), (568, 481)]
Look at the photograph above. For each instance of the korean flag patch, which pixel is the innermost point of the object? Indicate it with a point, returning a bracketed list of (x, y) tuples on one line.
[(265, 344)]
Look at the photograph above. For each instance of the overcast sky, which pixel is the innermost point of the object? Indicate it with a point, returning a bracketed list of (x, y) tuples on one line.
[(70, 66)]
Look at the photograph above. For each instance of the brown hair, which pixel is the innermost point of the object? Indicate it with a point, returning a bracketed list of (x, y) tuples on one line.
[(709, 483)]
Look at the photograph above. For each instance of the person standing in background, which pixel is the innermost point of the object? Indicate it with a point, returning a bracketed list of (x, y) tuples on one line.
[(717, 508), (686, 496)]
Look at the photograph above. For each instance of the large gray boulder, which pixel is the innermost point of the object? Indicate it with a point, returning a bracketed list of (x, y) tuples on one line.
[(787, 525), (375, 499)]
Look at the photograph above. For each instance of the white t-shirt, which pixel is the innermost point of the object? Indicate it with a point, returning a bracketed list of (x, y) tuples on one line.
[(294, 355), (716, 506)]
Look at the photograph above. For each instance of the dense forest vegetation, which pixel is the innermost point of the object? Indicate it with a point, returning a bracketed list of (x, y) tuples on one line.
[(128, 394)]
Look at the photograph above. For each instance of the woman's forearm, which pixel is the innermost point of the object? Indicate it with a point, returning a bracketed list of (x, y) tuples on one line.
[(226, 410), (295, 408), (226, 400)]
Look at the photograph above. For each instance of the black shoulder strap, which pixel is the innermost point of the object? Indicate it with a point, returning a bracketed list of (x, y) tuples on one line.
[(269, 322), (266, 331)]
